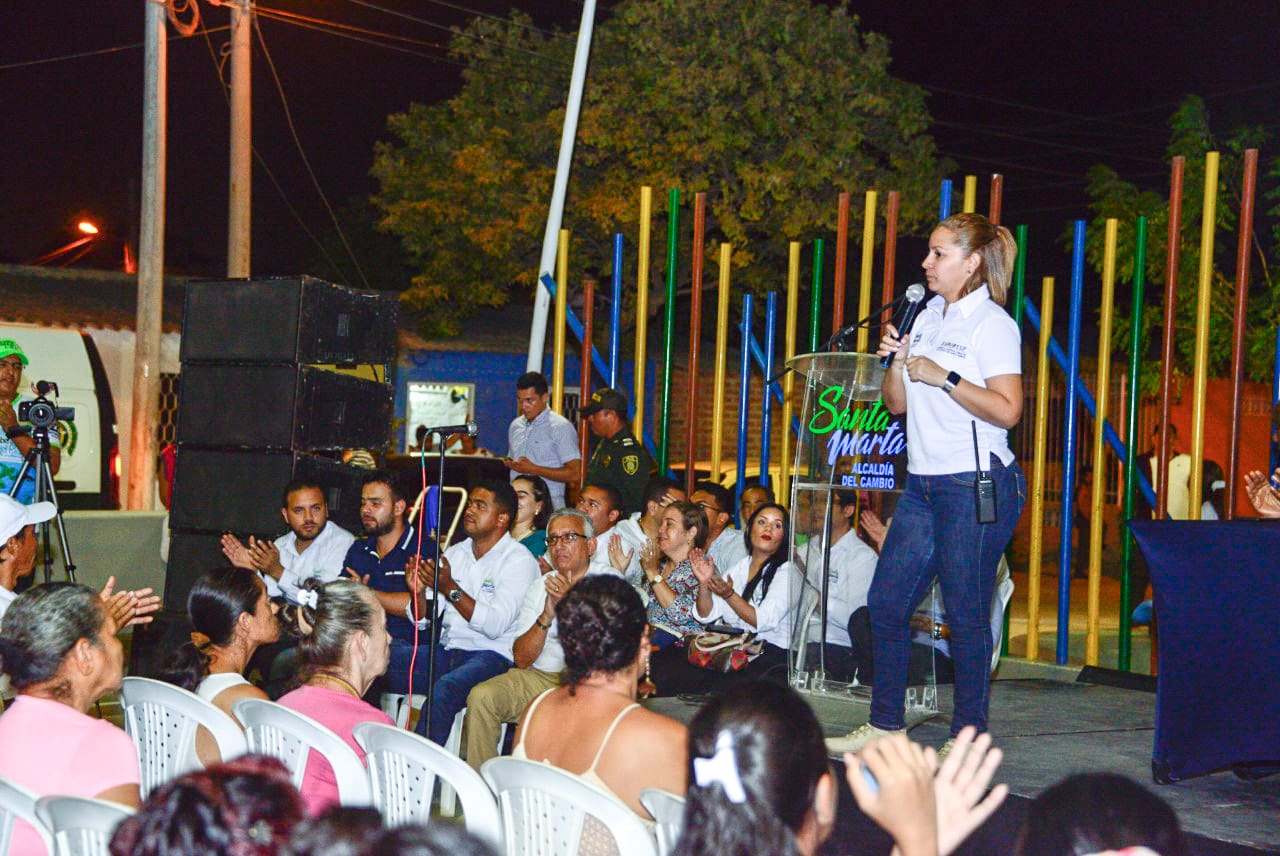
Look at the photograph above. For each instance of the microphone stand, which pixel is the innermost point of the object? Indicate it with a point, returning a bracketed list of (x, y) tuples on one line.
[(838, 337), (435, 579)]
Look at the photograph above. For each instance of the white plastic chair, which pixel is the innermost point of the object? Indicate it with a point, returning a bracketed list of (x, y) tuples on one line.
[(668, 810), (81, 826), (275, 730), (545, 808), (18, 803), (403, 768), (162, 719), (806, 611)]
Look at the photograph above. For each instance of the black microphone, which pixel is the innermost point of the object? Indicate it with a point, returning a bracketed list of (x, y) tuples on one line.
[(838, 337), (914, 303), (469, 428)]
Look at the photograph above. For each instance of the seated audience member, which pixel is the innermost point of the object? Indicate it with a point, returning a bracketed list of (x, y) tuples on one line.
[(602, 503), (337, 831), (673, 587), (1093, 812), (753, 496), (539, 658), (343, 646), (59, 648), (754, 595), (1212, 490), (725, 545), (533, 510), (642, 527), (244, 807), (591, 725), (232, 616), (482, 582)]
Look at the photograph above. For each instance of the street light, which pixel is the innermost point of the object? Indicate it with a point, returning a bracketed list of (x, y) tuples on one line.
[(87, 227)]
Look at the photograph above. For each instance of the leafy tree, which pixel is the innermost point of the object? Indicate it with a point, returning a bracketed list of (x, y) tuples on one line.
[(772, 107), (1191, 136)]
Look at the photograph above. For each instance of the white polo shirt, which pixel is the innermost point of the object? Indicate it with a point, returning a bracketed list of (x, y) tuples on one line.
[(324, 559), (497, 581), (773, 608), (978, 339), (551, 659), (849, 574)]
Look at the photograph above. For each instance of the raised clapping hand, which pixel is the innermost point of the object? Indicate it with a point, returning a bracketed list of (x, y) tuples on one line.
[(649, 554), (620, 560), (1264, 498), (236, 552), (128, 607), (557, 586), (265, 556), (960, 785), (704, 567), (904, 804), (875, 528)]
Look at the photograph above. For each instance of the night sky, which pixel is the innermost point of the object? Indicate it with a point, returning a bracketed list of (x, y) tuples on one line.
[(1037, 91)]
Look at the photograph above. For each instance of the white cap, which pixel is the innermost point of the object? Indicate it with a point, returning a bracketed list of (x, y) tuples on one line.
[(14, 515)]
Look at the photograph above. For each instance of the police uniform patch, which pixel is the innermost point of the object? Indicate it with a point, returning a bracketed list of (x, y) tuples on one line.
[(630, 464)]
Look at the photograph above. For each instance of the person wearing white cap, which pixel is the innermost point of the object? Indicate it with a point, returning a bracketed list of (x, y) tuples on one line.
[(18, 543)]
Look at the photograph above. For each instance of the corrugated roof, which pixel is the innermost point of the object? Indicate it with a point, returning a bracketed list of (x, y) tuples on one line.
[(78, 298)]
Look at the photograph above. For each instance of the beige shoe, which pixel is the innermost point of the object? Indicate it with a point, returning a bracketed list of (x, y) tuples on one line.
[(856, 740), (946, 748)]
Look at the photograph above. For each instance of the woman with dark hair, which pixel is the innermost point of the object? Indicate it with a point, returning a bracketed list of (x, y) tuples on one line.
[(665, 562), (59, 648), (343, 648), (958, 378), (245, 807), (754, 596), (533, 510), (1212, 489), (591, 725), (1093, 812)]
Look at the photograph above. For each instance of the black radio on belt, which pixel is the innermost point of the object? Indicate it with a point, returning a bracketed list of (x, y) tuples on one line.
[(984, 486)]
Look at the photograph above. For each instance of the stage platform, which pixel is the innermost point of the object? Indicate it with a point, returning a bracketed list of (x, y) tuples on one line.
[(1050, 725)]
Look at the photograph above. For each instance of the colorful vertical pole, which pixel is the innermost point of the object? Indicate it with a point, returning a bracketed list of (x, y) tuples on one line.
[(1170, 310), (669, 324), (970, 203), (1102, 400), (815, 296), (1038, 472), (744, 399), (1124, 651), (1204, 294), (722, 357), (1069, 442), (766, 409), (868, 260), (695, 343), (1019, 273), (891, 205), (788, 380), (588, 337), (997, 198), (562, 326), (615, 315), (838, 278), (1248, 188), (944, 200), (642, 310)]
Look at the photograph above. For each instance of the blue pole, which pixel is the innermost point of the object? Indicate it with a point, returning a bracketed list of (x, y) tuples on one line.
[(1069, 443), (744, 402), (766, 411), (944, 206), (615, 313)]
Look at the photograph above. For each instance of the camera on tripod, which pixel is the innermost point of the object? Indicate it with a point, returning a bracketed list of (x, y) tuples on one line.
[(41, 412)]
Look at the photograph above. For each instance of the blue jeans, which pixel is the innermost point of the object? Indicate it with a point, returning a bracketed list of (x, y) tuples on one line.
[(935, 533), (456, 673), (396, 678)]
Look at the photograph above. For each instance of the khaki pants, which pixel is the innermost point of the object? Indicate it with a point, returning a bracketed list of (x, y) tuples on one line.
[(498, 700)]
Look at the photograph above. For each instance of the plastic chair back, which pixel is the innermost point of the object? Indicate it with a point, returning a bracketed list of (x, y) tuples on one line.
[(18, 803), (806, 610), (275, 730), (544, 810), (668, 810), (162, 719), (403, 768), (81, 826)]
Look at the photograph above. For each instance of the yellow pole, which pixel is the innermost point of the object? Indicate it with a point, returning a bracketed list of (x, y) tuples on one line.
[(1098, 492), (793, 311), (722, 357), (562, 304), (970, 194), (642, 309), (1037, 474), (868, 260), (1195, 487)]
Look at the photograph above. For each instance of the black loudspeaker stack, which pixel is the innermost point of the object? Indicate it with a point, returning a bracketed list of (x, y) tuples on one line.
[(261, 404)]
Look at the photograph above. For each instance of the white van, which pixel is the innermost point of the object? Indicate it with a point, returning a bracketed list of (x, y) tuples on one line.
[(88, 476)]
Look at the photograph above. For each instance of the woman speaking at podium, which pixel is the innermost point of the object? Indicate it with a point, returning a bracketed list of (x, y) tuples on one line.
[(958, 376)]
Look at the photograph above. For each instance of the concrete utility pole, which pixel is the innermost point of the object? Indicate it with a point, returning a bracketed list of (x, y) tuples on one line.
[(239, 216), (146, 352)]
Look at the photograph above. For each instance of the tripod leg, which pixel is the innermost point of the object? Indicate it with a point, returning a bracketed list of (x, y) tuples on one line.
[(68, 565)]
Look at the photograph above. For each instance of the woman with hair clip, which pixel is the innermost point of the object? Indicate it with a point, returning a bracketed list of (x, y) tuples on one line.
[(232, 617), (533, 510), (665, 562), (754, 595), (958, 377), (343, 647)]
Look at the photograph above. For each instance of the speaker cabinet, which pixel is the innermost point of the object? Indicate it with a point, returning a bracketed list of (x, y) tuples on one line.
[(281, 407), (154, 644), (191, 554), (220, 491), (296, 319)]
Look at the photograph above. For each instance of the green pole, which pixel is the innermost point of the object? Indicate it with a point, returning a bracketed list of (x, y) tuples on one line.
[(1124, 650), (815, 298), (669, 323), (1019, 287)]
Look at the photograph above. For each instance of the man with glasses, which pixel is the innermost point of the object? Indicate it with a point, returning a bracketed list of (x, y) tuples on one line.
[(17, 440), (539, 659), (725, 545)]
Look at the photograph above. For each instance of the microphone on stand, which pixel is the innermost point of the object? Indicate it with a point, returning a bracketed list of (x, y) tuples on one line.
[(914, 298), (469, 428)]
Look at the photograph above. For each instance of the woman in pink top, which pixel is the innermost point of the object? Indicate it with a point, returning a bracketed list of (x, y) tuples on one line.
[(344, 646), (59, 648)]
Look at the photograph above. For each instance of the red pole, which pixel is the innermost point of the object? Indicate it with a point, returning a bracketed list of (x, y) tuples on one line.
[(890, 245), (695, 337), (1170, 306), (997, 197), (842, 262), (1250, 183), (588, 327)]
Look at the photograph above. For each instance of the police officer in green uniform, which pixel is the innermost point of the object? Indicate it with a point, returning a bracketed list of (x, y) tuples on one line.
[(619, 458)]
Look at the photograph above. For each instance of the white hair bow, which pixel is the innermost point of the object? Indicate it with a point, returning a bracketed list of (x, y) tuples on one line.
[(721, 767), (309, 598)]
